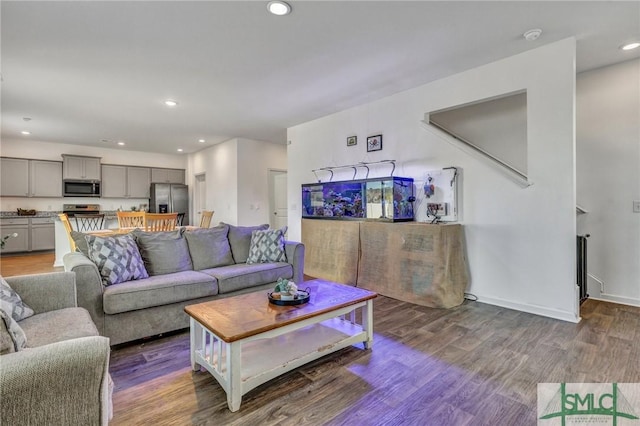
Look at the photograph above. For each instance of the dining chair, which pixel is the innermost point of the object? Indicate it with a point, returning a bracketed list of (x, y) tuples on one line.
[(67, 227), (205, 218), (180, 218), (160, 222), (89, 222), (131, 219)]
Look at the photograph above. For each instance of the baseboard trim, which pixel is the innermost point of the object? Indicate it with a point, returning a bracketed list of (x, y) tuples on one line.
[(622, 300), (531, 309)]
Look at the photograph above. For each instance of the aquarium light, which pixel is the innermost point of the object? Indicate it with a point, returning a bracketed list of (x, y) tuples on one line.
[(355, 167)]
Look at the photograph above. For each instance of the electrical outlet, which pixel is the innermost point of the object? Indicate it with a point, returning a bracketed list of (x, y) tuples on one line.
[(636, 206), (438, 209)]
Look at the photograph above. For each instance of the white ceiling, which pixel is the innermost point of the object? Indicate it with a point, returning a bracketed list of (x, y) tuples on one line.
[(88, 71)]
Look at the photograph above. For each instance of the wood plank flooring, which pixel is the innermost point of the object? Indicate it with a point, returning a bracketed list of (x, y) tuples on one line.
[(22, 264), (476, 364)]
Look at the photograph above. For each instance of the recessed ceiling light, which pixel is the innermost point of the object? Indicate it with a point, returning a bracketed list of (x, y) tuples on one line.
[(24, 132), (201, 140), (121, 143), (179, 149), (170, 103), (279, 8), (630, 46)]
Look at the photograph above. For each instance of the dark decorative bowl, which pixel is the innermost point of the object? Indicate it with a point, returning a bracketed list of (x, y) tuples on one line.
[(301, 297)]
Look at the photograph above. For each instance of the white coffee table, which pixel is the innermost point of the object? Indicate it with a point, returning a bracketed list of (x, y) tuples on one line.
[(245, 341)]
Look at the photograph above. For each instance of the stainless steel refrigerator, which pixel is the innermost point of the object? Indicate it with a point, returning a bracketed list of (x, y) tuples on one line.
[(169, 198)]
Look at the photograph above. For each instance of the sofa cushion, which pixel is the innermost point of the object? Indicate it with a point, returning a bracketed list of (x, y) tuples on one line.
[(56, 326), (240, 240), (267, 246), (209, 247), (117, 258), (240, 276), (12, 335), (164, 252), (158, 290), (11, 303)]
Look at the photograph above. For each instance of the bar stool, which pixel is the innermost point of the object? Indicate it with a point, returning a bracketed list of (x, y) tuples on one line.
[(89, 222)]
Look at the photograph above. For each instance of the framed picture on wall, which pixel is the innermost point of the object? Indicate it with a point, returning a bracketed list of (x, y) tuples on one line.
[(352, 140), (374, 143)]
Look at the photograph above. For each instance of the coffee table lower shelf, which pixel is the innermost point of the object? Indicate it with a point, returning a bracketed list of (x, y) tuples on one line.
[(242, 365)]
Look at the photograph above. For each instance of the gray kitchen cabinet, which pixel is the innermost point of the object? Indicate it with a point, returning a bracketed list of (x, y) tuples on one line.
[(125, 181), (138, 182), (14, 177), (167, 175), (19, 226), (42, 233), (114, 181), (78, 167), (46, 178), (31, 178)]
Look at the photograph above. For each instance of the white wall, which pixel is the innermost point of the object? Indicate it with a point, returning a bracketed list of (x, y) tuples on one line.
[(608, 170), (520, 241), (255, 160), (236, 178), (220, 165), (25, 148)]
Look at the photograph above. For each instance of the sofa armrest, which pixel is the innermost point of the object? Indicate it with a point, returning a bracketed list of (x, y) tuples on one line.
[(89, 286), (295, 256), (46, 292), (61, 383)]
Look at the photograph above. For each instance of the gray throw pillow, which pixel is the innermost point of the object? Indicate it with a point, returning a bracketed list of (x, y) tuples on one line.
[(209, 248), (240, 240), (164, 252), (81, 242), (18, 340), (267, 246), (12, 304), (117, 258)]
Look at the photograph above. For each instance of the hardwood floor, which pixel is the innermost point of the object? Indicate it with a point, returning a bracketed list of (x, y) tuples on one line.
[(476, 364), (22, 264)]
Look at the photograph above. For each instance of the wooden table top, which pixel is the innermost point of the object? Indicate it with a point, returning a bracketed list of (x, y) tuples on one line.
[(238, 317)]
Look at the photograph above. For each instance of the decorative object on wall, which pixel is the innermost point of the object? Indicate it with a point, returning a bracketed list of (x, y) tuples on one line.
[(374, 143), (352, 140)]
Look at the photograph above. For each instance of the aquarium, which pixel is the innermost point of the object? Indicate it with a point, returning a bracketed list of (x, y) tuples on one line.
[(387, 199)]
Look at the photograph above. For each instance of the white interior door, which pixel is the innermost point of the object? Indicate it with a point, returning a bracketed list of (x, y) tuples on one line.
[(278, 198), (200, 201)]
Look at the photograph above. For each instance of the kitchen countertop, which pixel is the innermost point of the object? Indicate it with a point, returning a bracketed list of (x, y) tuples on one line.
[(12, 215)]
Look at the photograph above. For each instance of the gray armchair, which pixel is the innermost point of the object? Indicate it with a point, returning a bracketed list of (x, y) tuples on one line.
[(62, 377)]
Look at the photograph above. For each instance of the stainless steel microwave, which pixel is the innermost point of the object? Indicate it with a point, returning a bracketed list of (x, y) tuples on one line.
[(80, 188)]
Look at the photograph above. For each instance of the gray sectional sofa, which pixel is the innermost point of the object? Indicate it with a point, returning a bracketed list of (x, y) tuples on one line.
[(184, 267)]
